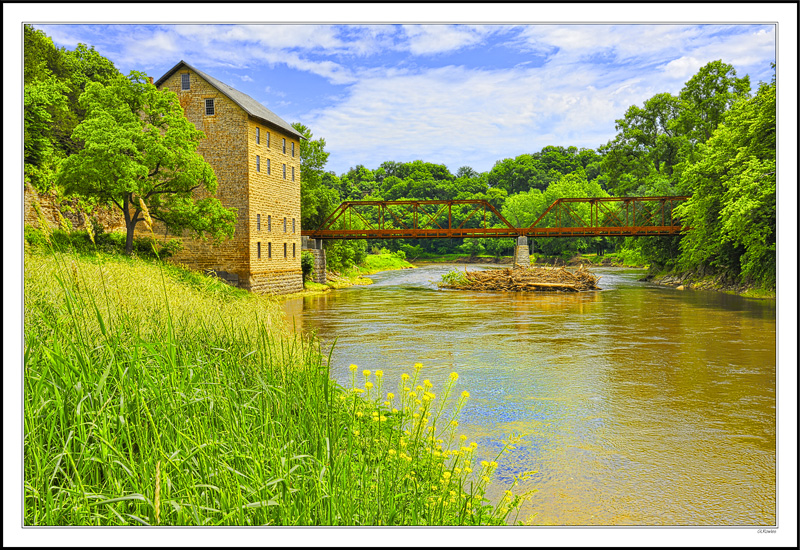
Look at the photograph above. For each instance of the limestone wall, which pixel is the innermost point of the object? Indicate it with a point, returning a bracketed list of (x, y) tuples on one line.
[(110, 218)]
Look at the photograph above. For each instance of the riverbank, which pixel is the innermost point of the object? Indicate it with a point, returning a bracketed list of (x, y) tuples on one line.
[(692, 280), (154, 395)]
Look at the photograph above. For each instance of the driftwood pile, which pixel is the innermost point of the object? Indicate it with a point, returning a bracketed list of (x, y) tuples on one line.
[(520, 279)]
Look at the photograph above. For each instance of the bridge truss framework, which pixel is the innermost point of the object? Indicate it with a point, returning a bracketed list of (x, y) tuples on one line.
[(604, 217)]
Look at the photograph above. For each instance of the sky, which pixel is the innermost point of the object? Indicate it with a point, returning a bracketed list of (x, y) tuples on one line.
[(452, 94)]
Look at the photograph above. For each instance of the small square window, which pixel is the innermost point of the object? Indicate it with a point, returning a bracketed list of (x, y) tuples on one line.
[(258, 163), (284, 171), (209, 107), (258, 135), (258, 222), (258, 248), (284, 145), (185, 81)]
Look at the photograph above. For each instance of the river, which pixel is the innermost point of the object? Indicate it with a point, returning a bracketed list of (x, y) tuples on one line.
[(637, 404)]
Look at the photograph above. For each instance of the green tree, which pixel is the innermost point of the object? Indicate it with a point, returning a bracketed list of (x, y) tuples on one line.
[(317, 200), (732, 211), (140, 154), (54, 78), (706, 97)]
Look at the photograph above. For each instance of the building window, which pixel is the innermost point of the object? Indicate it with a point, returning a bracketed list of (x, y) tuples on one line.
[(269, 223), (293, 230), (284, 171), (294, 250), (258, 248), (258, 163), (209, 107), (284, 225), (258, 222), (185, 81), (284, 146), (292, 173), (258, 135), (269, 250), (268, 168), (267, 139), (292, 148), (284, 251)]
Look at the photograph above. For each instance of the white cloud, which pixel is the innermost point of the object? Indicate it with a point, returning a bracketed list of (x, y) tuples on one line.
[(433, 39), (457, 116), (682, 68)]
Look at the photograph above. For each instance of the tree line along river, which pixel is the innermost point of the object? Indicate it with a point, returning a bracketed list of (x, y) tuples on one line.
[(637, 404)]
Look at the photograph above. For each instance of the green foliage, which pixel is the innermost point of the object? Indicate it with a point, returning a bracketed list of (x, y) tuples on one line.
[(455, 277), (80, 242), (306, 264), (54, 79), (156, 396), (732, 209), (473, 247), (139, 149)]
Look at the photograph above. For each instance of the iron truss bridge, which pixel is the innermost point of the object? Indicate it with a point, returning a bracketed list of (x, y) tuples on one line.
[(569, 217)]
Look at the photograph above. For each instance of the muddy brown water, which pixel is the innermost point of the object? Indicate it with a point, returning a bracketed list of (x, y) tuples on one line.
[(637, 404)]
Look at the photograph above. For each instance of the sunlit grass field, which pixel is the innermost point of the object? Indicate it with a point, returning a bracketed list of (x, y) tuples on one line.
[(158, 396)]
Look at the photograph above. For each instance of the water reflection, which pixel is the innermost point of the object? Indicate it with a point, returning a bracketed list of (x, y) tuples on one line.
[(640, 405)]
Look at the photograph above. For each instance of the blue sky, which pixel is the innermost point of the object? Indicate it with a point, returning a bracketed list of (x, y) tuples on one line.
[(453, 94)]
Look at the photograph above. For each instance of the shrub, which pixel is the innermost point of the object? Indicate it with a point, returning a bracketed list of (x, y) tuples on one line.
[(307, 264)]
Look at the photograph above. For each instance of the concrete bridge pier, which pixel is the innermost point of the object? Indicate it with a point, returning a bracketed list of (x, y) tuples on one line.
[(315, 247), (522, 253)]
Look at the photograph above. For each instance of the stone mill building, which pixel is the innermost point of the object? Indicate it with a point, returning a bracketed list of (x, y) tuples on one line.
[(255, 155)]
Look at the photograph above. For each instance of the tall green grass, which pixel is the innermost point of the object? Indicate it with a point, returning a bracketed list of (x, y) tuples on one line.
[(157, 397)]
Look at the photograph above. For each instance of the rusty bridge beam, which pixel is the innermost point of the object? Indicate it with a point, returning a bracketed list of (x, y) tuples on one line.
[(561, 207)]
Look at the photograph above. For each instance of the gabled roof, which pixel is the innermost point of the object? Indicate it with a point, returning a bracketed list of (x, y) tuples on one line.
[(250, 105)]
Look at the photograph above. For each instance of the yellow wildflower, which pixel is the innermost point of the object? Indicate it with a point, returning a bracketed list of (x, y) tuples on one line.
[(465, 394), (356, 433), (368, 385), (394, 411), (365, 373), (446, 475), (353, 367), (404, 377), (453, 376), (389, 395), (378, 373), (417, 366), (428, 383), (392, 452), (359, 414)]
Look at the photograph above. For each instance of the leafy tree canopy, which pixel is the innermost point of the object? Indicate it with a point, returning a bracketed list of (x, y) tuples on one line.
[(140, 154)]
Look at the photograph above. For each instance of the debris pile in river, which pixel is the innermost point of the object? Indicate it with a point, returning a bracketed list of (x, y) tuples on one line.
[(520, 279)]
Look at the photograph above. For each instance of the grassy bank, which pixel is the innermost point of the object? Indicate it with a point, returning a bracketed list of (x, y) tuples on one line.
[(158, 396)]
